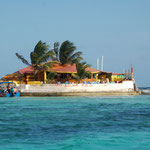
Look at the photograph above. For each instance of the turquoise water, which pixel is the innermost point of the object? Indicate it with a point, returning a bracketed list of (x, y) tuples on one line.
[(75, 123)]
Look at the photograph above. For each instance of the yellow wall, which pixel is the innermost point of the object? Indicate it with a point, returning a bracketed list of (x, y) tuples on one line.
[(34, 82), (116, 78), (29, 78)]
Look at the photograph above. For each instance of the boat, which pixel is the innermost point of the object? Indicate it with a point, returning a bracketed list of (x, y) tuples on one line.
[(145, 92), (5, 93)]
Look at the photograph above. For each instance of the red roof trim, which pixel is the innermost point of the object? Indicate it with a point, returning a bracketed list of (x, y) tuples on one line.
[(64, 69), (58, 68)]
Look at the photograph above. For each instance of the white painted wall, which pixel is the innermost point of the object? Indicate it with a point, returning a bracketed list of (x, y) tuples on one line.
[(125, 86)]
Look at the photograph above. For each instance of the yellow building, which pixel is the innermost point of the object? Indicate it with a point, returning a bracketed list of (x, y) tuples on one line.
[(65, 74)]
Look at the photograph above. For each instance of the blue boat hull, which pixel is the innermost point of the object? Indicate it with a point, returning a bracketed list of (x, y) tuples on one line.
[(9, 94), (5, 92)]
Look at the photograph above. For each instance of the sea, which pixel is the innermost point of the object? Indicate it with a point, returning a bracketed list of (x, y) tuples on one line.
[(75, 123)]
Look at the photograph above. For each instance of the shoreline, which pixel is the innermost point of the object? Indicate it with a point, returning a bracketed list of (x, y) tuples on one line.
[(45, 94), (125, 88)]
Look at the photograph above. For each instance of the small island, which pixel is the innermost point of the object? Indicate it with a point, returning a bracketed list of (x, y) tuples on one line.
[(61, 71)]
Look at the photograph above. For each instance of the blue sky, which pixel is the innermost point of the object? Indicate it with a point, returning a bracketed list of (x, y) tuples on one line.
[(117, 29)]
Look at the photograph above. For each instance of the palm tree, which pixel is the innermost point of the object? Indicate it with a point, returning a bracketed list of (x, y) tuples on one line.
[(81, 71), (56, 50), (66, 53), (39, 56), (51, 77)]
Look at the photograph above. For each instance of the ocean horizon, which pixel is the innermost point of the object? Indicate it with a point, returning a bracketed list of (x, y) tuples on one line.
[(75, 123)]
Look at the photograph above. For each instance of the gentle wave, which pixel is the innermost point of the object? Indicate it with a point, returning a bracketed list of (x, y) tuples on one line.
[(90, 123)]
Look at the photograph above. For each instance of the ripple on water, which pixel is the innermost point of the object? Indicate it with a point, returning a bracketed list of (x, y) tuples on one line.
[(75, 123)]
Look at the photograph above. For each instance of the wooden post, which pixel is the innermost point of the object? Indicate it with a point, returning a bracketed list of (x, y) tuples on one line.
[(92, 76), (96, 76), (131, 73)]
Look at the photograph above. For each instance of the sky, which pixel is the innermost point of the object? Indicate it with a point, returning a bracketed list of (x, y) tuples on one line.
[(119, 30)]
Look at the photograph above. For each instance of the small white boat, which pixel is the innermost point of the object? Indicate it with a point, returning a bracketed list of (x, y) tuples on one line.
[(145, 92)]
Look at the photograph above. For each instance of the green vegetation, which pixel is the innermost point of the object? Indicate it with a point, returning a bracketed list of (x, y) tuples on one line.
[(66, 53), (81, 71), (38, 56), (51, 77)]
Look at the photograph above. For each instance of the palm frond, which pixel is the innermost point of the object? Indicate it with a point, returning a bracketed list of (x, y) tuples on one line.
[(47, 56), (41, 48), (46, 66), (56, 51), (81, 70), (51, 75), (66, 51), (33, 57), (85, 65), (75, 55), (23, 59), (76, 60)]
